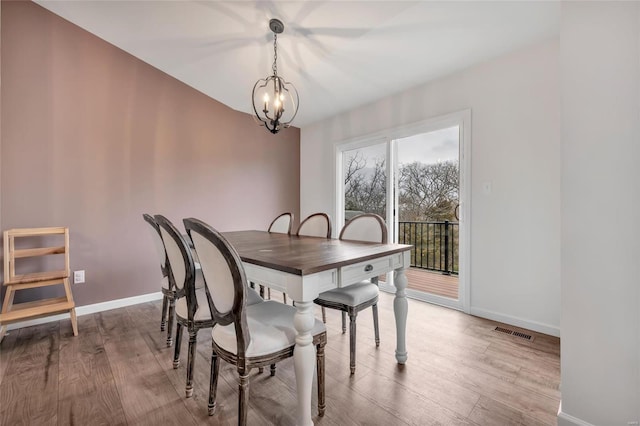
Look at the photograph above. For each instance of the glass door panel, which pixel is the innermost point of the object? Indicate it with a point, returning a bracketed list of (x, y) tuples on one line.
[(428, 195), (364, 172)]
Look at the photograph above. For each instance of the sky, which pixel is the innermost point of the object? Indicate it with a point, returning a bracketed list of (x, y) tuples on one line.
[(432, 147)]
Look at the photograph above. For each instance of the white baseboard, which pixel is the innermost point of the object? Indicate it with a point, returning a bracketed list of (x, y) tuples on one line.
[(495, 316), (565, 419), (515, 321), (91, 309)]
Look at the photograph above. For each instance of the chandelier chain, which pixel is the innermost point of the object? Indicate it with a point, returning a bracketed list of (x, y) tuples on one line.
[(275, 54)]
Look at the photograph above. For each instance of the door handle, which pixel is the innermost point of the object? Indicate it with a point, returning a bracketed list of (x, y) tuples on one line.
[(368, 268)]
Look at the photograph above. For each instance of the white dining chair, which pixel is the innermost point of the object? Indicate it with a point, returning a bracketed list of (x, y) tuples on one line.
[(280, 225), (315, 225), (354, 298), (191, 306), (168, 292), (245, 336)]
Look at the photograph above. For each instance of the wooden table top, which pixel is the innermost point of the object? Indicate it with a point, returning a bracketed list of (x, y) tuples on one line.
[(304, 255)]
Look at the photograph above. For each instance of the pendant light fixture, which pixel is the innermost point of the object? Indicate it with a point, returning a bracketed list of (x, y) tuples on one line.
[(275, 102)]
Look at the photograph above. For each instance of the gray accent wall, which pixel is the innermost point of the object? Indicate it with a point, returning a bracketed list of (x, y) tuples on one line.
[(93, 137)]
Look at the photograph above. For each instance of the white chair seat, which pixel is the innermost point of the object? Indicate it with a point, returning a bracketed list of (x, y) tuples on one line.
[(270, 326), (203, 313), (351, 295), (253, 297)]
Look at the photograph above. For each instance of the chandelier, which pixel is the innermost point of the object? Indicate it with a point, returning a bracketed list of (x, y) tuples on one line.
[(275, 102)]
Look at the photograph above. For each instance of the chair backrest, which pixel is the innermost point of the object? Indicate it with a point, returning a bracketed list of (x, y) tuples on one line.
[(154, 231), (224, 277), (181, 267), (282, 224), (365, 227), (315, 225)]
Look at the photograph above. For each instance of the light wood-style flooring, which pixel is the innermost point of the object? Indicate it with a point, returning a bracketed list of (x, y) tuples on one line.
[(118, 372)]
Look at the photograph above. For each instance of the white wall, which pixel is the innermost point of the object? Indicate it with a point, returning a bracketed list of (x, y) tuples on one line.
[(515, 139), (600, 87)]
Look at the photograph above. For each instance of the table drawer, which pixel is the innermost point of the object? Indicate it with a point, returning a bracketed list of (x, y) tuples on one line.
[(371, 268)]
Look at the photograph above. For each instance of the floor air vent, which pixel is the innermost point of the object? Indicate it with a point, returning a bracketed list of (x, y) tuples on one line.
[(514, 333)]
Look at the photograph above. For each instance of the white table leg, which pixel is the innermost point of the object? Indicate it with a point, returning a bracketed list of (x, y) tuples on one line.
[(400, 307), (304, 355)]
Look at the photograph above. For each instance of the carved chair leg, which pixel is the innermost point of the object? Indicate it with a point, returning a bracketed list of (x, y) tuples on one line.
[(262, 291), (320, 369), (269, 293), (344, 322), (324, 315), (165, 303), (172, 314), (376, 329), (193, 334), (260, 370), (243, 397), (176, 354), (273, 370), (252, 285), (284, 296), (213, 382), (352, 341)]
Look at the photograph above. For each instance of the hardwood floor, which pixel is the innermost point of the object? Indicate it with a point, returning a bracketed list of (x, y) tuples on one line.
[(118, 371)]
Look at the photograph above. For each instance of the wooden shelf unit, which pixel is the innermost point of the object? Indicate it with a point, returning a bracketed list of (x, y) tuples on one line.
[(15, 312)]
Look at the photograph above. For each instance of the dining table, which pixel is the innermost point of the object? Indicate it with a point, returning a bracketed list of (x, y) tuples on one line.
[(303, 267)]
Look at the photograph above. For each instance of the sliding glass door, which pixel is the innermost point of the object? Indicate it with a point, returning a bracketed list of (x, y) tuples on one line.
[(416, 178), (427, 171)]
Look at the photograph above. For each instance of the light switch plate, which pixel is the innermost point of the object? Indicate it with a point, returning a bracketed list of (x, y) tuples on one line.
[(486, 187)]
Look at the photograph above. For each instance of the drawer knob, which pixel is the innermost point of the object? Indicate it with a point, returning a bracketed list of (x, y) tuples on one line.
[(368, 268)]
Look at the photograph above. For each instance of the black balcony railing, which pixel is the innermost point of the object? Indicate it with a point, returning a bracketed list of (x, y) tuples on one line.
[(435, 244)]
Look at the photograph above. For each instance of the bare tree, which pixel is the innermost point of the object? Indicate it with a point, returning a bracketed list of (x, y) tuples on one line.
[(365, 187), (354, 164), (428, 191), (353, 180)]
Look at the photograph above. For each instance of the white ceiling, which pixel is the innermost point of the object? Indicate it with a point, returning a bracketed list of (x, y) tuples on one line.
[(338, 54)]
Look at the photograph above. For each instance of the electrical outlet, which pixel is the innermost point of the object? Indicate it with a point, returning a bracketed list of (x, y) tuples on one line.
[(78, 277)]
